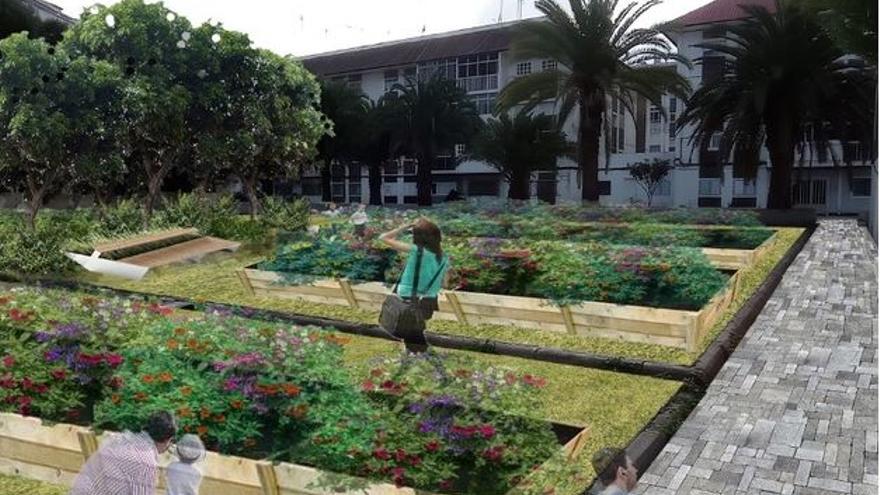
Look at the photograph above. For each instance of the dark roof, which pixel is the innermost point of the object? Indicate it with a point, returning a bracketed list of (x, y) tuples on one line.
[(722, 11), (470, 41), (50, 9)]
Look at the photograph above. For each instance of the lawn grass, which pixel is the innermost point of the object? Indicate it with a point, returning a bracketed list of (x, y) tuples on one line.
[(13, 485)]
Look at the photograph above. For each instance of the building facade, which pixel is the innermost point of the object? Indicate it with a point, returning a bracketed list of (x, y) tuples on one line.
[(480, 61)]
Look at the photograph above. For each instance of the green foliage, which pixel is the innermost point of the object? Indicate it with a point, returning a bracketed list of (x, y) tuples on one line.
[(32, 252), (123, 218), (519, 146), (287, 216)]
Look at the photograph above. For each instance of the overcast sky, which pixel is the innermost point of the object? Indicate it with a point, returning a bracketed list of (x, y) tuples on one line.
[(303, 27)]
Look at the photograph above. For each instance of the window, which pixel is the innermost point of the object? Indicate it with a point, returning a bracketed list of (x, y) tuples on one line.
[(391, 77), (478, 72), (443, 68), (664, 188), (523, 68), (621, 136), (710, 187), (483, 187), (656, 116), (410, 200), (861, 187), (673, 104), (409, 166), (389, 200), (744, 187), (655, 148), (354, 81), (604, 188), (715, 142), (460, 149), (485, 103), (807, 192), (548, 64), (311, 187), (390, 168), (354, 192), (409, 73), (673, 115)]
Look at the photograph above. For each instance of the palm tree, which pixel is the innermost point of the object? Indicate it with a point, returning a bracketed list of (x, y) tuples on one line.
[(347, 108), (600, 54), (428, 116), (374, 145), (783, 76), (519, 146)]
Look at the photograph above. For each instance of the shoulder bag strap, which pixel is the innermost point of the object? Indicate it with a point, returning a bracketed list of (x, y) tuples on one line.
[(437, 274), (415, 286)]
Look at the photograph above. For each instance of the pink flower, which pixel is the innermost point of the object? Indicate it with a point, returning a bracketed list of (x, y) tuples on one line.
[(432, 446), (6, 381), (368, 386), (59, 374), (494, 454), (113, 360), (445, 484), (488, 431), (381, 454), (9, 361)]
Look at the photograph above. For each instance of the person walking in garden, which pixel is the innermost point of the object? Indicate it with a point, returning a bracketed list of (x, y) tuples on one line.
[(128, 464), (619, 474), (426, 267)]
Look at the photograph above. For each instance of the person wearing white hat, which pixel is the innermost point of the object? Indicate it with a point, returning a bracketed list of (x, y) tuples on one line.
[(183, 476)]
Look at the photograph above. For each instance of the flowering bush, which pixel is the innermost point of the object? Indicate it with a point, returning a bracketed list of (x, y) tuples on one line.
[(453, 428)]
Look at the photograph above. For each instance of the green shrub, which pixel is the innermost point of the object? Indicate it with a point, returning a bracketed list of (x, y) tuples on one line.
[(125, 217), (288, 216), (34, 253)]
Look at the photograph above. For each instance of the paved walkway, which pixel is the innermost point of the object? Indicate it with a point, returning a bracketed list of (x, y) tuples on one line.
[(794, 410)]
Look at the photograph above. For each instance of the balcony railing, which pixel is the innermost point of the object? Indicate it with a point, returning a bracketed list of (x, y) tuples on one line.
[(479, 83)]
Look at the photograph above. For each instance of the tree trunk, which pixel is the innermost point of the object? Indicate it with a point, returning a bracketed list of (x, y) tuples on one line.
[(423, 177), (588, 150), (375, 170), (250, 186), (326, 193), (154, 189), (780, 143), (35, 202), (520, 183)]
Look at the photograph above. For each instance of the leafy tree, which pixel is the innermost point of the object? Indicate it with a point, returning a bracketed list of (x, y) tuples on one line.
[(649, 175), (519, 146), (783, 75), (347, 108), (281, 123), (154, 48), (600, 55), (852, 23), (428, 116), (16, 17), (51, 115)]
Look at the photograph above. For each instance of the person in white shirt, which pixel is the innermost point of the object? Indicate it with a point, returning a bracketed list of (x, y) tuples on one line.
[(183, 476), (359, 219)]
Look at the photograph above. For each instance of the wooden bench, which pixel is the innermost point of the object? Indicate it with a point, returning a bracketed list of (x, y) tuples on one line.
[(144, 240), (192, 249)]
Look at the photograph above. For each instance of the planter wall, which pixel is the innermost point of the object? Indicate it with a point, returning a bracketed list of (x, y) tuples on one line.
[(55, 453), (677, 328)]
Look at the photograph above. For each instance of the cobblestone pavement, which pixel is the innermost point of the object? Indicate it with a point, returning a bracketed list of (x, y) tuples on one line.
[(794, 410)]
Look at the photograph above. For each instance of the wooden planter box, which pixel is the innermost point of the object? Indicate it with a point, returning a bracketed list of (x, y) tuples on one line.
[(54, 453), (671, 327)]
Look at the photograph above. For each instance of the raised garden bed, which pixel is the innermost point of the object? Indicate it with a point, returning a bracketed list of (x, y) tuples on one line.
[(255, 389), (671, 327)]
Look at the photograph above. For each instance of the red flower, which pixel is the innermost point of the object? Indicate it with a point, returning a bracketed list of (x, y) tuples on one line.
[(59, 374), (159, 310), (446, 484), (90, 359), (415, 460), (165, 377), (488, 431), (147, 379), (493, 454), (400, 455), (41, 388), (8, 361), (113, 360), (432, 446), (6, 381), (291, 390), (381, 454), (18, 315), (399, 476), (534, 381), (368, 386), (26, 384)]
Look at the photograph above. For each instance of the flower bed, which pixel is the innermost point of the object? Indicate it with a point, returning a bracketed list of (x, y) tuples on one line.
[(261, 390), (566, 273)]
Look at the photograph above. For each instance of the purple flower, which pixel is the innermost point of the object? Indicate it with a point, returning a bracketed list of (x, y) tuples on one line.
[(54, 354), (42, 337), (416, 408), (232, 383)]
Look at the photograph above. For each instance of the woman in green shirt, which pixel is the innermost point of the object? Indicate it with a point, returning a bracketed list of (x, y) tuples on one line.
[(432, 273)]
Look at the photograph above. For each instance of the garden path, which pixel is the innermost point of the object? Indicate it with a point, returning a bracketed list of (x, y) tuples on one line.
[(794, 409)]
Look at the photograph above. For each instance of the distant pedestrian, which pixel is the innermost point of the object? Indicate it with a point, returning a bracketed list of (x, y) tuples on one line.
[(359, 219), (128, 463), (619, 474), (183, 475)]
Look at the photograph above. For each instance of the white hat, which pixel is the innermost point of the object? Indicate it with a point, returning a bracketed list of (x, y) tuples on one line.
[(190, 448)]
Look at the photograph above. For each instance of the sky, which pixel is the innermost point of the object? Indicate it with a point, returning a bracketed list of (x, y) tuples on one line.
[(304, 27)]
